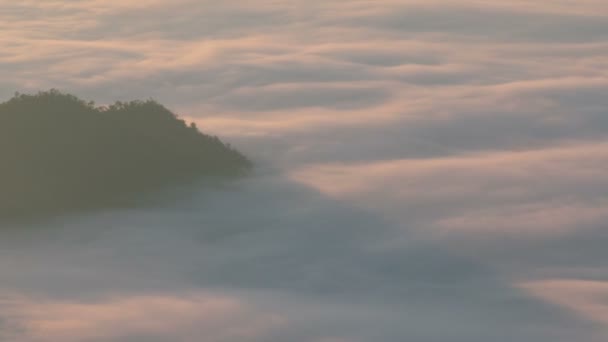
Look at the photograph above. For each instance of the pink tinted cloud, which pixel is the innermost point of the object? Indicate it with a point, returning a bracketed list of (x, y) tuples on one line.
[(186, 317), (585, 298), (545, 192)]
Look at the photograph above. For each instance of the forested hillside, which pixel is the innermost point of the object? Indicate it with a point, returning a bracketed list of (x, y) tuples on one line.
[(60, 154)]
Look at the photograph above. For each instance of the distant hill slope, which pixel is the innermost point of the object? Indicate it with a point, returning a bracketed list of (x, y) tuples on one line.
[(61, 154)]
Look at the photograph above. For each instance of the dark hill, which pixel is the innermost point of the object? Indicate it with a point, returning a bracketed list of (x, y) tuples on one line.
[(60, 154)]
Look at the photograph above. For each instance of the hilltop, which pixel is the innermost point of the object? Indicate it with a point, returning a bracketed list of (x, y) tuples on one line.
[(60, 154)]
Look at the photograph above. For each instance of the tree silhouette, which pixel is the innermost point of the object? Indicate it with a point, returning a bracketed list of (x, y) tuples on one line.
[(59, 153)]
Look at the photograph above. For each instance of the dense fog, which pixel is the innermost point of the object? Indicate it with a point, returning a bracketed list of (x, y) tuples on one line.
[(424, 171)]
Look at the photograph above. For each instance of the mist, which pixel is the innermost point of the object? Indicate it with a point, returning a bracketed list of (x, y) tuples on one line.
[(292, 265), (423, 171)]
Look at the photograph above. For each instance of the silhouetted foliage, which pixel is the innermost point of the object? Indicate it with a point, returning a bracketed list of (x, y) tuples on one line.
[(59, 154)]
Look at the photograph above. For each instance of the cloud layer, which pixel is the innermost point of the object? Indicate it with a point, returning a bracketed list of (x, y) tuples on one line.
[(429, 170)]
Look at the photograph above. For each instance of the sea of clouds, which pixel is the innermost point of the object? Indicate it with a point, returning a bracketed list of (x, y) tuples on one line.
[(426, 171)]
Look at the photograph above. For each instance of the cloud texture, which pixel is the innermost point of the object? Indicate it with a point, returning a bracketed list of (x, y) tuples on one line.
[(429, 171)]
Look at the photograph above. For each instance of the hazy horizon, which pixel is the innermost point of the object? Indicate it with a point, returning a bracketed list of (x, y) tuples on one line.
[(425, 171)]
